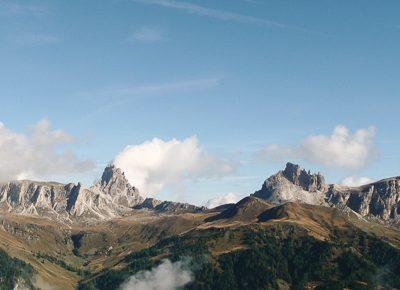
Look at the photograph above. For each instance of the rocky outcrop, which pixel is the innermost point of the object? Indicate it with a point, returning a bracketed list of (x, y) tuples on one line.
[(149, 203), (114, 183), (169, 206), (302, 178), (293, 184), (179, 207)]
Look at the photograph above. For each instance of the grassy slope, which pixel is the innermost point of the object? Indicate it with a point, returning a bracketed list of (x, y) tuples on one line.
[(113, 250), (286, 246), (48, 246)]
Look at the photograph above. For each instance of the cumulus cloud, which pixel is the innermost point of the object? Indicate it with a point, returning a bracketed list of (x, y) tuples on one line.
[(155, 164), (166, 276), (228, 198), (356, 181), (341, 149), (39, 153)]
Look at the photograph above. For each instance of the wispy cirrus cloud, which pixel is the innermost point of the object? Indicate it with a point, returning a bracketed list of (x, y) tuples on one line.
[(119, 95), (36, 39), (148, 35), (23, 34), (13, 8), (251, 1), (161, 88), (223, 15)]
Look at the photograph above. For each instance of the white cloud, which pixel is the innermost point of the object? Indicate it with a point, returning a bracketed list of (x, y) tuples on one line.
[(156, 164), (356, 181), (148, 35), (341, 149), (166, 276), (228, 198), (38, 154)]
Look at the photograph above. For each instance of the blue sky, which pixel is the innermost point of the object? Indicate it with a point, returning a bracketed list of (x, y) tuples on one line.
[(239, 75)]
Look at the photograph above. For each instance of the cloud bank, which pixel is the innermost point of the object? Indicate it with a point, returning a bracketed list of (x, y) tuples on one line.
[(341, 149), (156, 164), (228, 198), (37, 154), (356, 181), (166, 276)]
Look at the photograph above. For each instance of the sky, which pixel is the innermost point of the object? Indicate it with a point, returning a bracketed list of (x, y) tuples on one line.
[(199, 100)]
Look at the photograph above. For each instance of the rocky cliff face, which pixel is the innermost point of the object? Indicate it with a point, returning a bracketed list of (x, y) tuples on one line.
[(111, 196), (376, 200), (29, 197), (379, 199), (294, 184)]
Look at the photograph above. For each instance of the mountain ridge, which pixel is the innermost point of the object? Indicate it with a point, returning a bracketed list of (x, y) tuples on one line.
[(110, 197), (113, 196), (379, 199), (96, 237)]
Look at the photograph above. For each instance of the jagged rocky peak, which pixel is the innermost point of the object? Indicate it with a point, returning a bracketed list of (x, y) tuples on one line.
[(303, 178), (114, 180), (293, 184), (114, 183)]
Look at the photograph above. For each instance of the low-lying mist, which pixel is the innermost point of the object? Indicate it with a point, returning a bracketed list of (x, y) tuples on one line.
[(166, 276)]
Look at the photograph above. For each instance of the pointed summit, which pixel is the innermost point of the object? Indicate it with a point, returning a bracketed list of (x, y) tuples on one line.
[(114, 183), (111, 174), (304, 179), (293, 184)]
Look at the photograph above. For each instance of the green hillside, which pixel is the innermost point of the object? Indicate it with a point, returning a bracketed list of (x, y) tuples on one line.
[(281, 257)]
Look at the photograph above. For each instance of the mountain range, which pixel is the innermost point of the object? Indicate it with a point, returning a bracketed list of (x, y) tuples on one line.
[(295, 232)]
